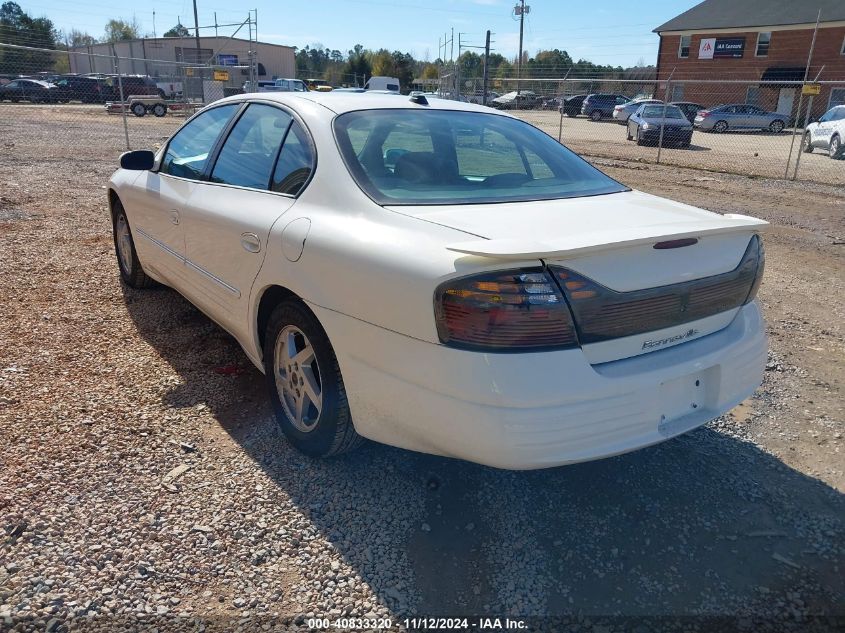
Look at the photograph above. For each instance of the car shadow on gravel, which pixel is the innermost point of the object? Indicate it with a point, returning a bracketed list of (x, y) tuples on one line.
[(703, 524)]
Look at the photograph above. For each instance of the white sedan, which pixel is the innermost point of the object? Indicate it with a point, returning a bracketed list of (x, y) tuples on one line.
[(445, 278)]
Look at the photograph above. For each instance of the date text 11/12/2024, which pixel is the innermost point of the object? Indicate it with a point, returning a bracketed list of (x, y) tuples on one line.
[(418, 624)]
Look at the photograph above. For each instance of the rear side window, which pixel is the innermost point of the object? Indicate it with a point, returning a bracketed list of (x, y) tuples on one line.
[(296, 161), (250, 151), (187, 153)]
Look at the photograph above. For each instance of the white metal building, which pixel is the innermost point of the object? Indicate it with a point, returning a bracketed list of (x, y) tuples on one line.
[(158, 57)]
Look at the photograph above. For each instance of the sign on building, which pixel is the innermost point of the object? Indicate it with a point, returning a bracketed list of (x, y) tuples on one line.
[(227, 60), (712, 47), (221, 75)]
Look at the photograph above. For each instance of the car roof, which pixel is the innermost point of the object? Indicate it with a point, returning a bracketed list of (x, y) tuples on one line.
[(341, 102)]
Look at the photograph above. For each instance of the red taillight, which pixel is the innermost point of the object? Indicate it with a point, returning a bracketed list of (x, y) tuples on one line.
[(703, 113), (504, 311)]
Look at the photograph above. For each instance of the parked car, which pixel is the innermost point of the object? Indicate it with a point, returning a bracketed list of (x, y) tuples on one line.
[(81, 88), (572, 105), (689, 109), (523, 100), (739, 116), (552, 314), (263, 85), (478, 96), (133, 85), (551, 103), (290, 85), (622, 111), (644, 125), (600, 106), (31, 90), (827, 133)]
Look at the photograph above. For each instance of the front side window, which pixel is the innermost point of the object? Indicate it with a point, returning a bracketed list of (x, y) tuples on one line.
[(763, 40), (452, 157), (249, 153), (683, 45), (187, 153)]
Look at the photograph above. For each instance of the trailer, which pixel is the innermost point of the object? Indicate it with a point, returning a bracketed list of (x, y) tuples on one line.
[(141, 105)]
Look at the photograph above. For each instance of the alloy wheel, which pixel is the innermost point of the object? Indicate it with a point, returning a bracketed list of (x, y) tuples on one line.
[(834, 147), (298, 380)]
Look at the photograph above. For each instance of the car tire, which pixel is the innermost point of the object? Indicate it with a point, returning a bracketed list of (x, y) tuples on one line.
[(595, 115), (806, 144), (138, 109), (835, 148), (777, 126), (637, 137), (720, 127), (131, 271), (628, 135), (323, 429), (159, 110)]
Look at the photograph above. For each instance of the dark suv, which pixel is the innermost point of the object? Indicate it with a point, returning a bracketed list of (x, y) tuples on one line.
[(600, 106), (133, 85), (79, 88)]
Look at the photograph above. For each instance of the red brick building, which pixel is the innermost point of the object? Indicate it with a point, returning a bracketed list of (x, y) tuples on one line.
[(760, 44)]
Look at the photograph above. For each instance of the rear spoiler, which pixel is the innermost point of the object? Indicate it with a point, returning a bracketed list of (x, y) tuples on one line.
[(597, 241)]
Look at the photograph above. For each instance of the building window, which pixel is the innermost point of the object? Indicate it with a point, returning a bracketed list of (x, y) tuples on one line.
[(752, 95), (842, 52), (683, 46), (677, 92), (837, 97), (763, 40)]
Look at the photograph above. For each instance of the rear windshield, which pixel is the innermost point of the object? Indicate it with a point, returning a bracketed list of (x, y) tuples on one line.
[(656, 112), (450, 157)]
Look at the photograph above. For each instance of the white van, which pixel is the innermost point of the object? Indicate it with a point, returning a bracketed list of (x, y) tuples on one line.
[(382, 83)]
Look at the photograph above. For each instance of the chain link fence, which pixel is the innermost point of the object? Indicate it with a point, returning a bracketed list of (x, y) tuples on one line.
[(111, 103), (116, 103), (748, 127)]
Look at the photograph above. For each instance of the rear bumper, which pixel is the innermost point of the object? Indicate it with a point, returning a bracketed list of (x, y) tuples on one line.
[(524, 411)]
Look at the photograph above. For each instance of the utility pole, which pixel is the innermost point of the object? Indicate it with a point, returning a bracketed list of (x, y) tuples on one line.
[(452, 40), (520, 10), (197, 32), (154, 24), (458, 71), (486, 70)]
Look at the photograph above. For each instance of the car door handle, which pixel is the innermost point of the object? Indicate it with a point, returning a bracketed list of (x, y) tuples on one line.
[(174, 216), (250, 242)]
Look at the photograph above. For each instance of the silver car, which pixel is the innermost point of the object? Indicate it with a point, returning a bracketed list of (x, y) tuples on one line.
[(739, 116), (625, 110)]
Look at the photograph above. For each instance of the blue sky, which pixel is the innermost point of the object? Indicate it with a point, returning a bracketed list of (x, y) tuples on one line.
[(608, 32)]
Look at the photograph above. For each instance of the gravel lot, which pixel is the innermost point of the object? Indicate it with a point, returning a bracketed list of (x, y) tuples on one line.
[(143, 482), (754, 153)]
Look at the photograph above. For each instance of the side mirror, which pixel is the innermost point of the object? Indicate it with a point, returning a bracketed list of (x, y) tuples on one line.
[(137, 160)]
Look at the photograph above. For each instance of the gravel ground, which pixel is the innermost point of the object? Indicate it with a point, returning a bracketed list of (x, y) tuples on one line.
[(144, 484)]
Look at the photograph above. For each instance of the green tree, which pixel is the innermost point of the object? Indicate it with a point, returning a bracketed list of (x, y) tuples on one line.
[(80, 38), (382, 63), (18, 27), (357, 65), (118, 30), (180, 30)]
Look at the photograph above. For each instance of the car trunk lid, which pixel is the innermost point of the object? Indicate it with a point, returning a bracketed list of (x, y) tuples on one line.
[(631, 245)]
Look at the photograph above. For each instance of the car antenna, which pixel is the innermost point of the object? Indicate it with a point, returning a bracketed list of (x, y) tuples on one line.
[(419, 99)]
